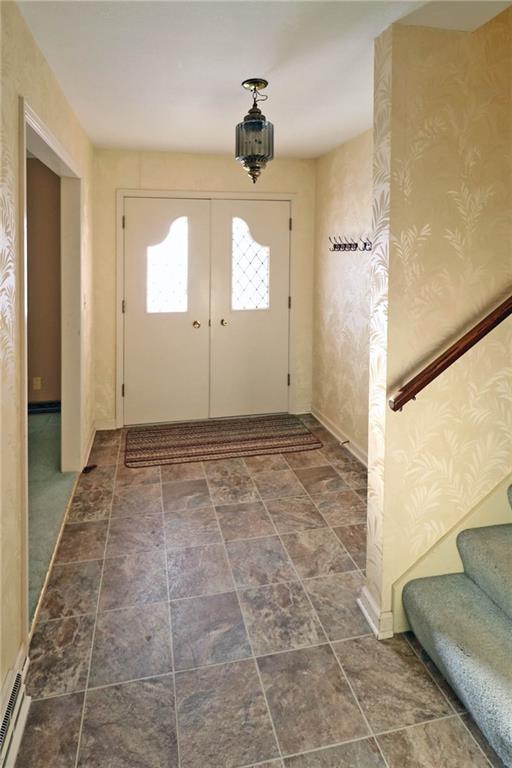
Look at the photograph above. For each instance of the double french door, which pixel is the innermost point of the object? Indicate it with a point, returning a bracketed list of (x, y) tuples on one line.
[(206, 326)]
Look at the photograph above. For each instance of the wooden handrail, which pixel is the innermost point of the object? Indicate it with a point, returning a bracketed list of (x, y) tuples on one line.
[(409, 390)]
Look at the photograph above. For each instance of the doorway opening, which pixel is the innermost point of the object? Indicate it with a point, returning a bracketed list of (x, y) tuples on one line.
[(51, 321)]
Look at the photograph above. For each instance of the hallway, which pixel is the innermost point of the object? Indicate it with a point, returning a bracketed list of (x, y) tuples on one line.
[(203, 615), (49, 492)]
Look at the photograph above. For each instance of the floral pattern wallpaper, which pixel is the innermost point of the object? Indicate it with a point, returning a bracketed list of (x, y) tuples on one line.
[(24, 72), (443, 186), (342, 290), (378, 337)]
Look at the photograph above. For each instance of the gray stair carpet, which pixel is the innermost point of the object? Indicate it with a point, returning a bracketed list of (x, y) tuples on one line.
[(469, 638), (487, 557)]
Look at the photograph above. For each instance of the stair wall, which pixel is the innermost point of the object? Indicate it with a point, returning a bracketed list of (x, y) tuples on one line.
[(444, 556)]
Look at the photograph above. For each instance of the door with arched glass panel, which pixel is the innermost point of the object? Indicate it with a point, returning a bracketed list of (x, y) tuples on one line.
[(249, 301), (167, 302), (206, 286)]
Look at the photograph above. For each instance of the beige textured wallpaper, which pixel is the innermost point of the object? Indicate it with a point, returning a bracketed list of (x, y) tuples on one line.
[(26, 73), (342, 291), (443, 186), (115, 170)]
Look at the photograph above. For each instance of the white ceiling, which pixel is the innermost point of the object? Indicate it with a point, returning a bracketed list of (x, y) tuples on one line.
[(166, 75)]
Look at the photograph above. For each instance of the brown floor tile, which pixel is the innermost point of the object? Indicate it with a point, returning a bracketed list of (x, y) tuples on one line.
[(244, 521), (82, 541), (222, 717), (320, 479), (357, 754), (129, 535), (90, 504), (294, 514), (224, 468), (137, 579), (363, 494), (341, 508), (353, 538), (92, 499), (190, 471), (104, 455), (127, 476), (100, 477), (334, 598), (131, 725), (271, 764), (278, 484), (72, 590), (185, 494), (143, 500), (323, 434), (230, 482), (317, 553), (393, 687), (341, 457), (208, 630), (265, 463), (51, 733), (259, 561), (432, 745), (354, 478), (303, 459), (309, 699), (198, 571), (494, 759), (107, 437), (191, 527), (131, 643), (280, 617), (59, 656)]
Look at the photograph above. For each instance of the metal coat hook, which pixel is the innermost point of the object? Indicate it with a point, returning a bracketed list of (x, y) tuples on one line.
[(344, 243)]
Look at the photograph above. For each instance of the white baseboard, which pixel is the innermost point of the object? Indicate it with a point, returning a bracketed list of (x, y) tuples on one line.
[(381, 624), (341, 436), (14, 710)]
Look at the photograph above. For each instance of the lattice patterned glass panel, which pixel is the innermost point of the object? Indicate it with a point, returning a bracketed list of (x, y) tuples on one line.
[(167, 271), (250, 270)]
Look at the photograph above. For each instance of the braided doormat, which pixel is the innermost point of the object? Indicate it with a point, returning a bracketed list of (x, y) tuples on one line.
[(217, 439)]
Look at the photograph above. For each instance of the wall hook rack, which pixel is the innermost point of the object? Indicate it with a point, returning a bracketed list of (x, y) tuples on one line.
[(343, 243)]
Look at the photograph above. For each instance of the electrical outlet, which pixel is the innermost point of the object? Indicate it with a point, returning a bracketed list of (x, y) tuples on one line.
[(36, 382)]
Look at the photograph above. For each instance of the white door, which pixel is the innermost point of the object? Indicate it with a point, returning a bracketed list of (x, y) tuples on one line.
[(167, 298), (249, 307)]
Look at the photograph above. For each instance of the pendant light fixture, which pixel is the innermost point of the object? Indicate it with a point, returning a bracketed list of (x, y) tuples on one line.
[(255, 134)]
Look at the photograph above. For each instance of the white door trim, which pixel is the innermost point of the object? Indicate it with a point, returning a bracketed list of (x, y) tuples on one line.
[(33, 134), (121, 195)]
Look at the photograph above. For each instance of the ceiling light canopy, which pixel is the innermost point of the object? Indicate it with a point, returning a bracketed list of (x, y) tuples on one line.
[(255, 134)]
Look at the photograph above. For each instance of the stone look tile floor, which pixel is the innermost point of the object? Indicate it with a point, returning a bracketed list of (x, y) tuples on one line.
[(204, 616)]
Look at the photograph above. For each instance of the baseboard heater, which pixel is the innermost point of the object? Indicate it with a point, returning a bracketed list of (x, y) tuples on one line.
[(15, 705)]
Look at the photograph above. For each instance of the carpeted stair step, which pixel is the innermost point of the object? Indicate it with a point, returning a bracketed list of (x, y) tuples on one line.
[(487, 557), (470, 640)]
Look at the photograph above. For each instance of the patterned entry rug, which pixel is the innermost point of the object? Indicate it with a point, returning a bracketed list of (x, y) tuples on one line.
[(218, 439)]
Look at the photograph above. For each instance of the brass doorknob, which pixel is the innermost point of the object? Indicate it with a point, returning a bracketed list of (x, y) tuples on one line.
[(196, 324), (223, 322)]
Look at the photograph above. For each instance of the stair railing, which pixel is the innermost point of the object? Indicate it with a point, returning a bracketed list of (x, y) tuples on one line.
[(410, 389)]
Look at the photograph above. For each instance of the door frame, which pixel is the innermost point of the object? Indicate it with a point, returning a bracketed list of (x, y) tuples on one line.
[(121, 196), (35, 136)]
